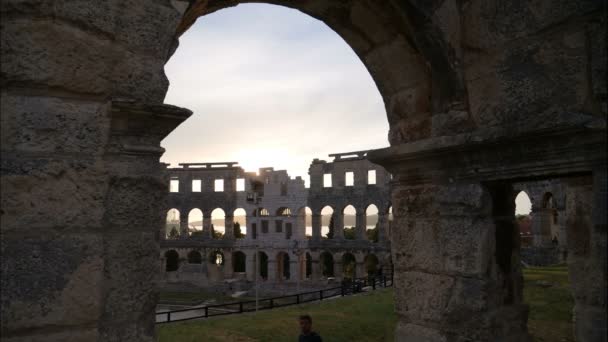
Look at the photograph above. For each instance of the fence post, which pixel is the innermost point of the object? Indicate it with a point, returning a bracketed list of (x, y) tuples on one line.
[(298, 298), (240, 307), (206, 312), (374, 283), (342, 290), (271, 303), (321, 295), (384, 280), (169, 316)]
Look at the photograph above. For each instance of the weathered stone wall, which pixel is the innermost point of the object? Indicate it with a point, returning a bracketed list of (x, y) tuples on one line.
[(476, 92)]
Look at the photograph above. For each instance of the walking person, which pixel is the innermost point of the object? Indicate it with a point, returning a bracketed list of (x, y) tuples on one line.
[(306, 333)]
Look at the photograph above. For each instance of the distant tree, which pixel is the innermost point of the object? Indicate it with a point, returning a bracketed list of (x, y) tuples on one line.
[(350, 233), (330, 232), (237, 231), (173, 234), (372, 234)]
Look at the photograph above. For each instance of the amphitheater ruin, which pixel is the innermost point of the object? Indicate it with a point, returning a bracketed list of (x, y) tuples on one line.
[(278, 211), (480, 95)]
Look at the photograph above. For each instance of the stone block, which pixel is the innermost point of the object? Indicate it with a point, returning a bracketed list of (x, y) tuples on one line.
[(55, 280)]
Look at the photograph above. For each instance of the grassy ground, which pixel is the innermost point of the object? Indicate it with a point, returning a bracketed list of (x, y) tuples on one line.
[(370, 317), (550, 307)]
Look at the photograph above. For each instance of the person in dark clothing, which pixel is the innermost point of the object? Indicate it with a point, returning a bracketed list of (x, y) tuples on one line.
[(307, 334)]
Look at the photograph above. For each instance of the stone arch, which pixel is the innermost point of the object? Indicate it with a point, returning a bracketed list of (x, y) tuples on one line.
[(349, 214), (195, 257), (240, 223), (195, 221), (218, 223), (372, 264), (375, 32), (327, 222), (349, 266), (263, 265), (283, 271), (217, 257), (523, 210), (239, 262), (172, 225), (372, 222), (308, 265), (171, 260), (326, 260), (304, 222), (284, 211)]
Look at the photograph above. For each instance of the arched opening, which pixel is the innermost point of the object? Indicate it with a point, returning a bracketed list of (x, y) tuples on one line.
[(349, 266), (308, 266), (240, 223), (283, 271), (263, 265), (216, 258), (239, 262), (350, 222), (327, 264), (171, 261), (218, 223), (304, 223), (195, 222), (195, 257), (371, 223), (523, 208), (327, 222), (284, 211), (172, 224), (371, 265)]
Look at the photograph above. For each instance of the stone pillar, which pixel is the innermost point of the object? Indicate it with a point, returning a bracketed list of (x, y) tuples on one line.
[(586, 230), (316, 273), (272, 269), (338, 225), (250, 268), (207, 230), (360, 225), (360, 271), (316, 226), (456, 259), (383, 227), (183, 226), (536, 226), (546, 223), (229, 234), (338, 268), (294, 268), (228, 267)]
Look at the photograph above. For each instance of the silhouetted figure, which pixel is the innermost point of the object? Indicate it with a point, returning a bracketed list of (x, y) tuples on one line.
[(307, 335)]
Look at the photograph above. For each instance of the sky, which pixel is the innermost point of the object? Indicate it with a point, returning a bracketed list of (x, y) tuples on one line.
[(270, 86)]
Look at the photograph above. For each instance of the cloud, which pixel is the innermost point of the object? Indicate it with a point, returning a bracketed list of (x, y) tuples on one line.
[(265, 78)]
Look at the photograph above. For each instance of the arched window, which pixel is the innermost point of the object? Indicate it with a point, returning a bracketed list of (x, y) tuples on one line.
[(327, 222), (371, 264), (350, 222), (195, 222), (216, 258), (218, 223), (283, 271), (240, 223), (172, 224), (371, 223)]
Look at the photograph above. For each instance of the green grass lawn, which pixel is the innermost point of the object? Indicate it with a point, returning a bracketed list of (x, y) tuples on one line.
[(371, 317)]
